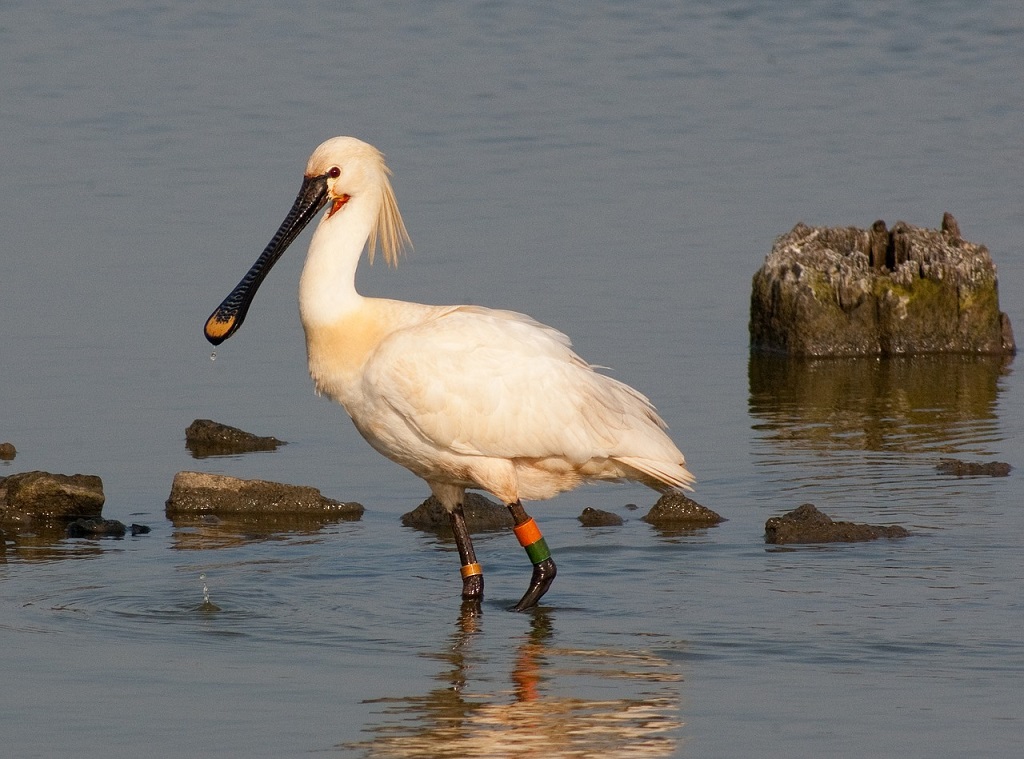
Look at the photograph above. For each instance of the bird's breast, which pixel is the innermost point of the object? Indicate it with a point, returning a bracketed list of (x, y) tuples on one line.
[(338, 352)]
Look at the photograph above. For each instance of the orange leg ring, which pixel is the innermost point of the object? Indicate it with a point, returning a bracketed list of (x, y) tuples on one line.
[(469, 570)]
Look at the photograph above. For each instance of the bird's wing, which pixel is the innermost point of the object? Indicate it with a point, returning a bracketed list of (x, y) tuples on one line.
[(496, 383)]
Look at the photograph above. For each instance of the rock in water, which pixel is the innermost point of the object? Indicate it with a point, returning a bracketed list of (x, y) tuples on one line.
[(805, 524), (677, 510), (202, 493), (592, 517), (973, 468), (482, 515), (47, 496), (205, 437), (826, 291), (96, 527)]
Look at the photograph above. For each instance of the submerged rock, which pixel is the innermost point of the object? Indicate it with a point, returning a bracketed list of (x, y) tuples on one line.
[(201, 493), (676, 510), (482, 515), (598, 518), (805, 524), (31, 496), (97, 527), (844, 291), (204, 437), (974, 468), (7, 451)]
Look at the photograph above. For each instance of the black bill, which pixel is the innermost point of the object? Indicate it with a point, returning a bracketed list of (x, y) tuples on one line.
[(230, 314)]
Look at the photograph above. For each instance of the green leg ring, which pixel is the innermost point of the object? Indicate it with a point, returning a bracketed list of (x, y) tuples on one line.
[(539, 551)]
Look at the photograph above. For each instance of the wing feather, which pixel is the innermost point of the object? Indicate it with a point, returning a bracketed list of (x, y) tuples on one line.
[(482, 382)]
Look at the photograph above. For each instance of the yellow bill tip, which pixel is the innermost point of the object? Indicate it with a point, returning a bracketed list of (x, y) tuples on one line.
[(219, 328)]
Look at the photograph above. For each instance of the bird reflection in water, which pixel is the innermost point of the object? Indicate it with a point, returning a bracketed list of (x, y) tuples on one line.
[(546, 711)]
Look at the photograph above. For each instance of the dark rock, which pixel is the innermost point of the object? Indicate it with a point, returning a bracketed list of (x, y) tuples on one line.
[(200, 493), (45, 496), (139, 529), (482, 515), (676, 510), (205, 437), (7, 451), (805, 524), (598, 518), (973, 469), (826, 291), (96, 527)]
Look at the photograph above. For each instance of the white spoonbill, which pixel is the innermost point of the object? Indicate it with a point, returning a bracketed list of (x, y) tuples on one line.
[(462, 396)]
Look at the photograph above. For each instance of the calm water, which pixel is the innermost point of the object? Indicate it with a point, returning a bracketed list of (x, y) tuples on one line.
[(618, 170)]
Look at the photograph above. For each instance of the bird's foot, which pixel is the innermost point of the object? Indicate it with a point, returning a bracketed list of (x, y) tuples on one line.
[(543, 575), (473, 587)]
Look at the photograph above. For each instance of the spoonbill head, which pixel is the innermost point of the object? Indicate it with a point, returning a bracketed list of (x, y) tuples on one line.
[(339, 169), (462, 396)]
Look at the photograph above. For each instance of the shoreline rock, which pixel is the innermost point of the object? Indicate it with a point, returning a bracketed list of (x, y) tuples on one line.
[(805, 524), (844, 291)]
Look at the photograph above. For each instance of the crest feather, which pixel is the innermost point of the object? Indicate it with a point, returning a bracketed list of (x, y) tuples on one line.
[(389, 232)]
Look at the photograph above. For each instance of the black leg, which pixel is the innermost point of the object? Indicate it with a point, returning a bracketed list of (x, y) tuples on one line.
[(544, 569), (472, 574)]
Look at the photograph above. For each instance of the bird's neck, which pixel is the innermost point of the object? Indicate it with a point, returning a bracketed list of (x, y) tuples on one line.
[(327, 290)]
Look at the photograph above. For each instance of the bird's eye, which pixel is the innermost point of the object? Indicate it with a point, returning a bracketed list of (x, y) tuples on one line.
[(334, 172)]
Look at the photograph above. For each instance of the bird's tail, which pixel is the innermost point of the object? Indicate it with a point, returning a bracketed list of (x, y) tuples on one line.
[(661, 475)]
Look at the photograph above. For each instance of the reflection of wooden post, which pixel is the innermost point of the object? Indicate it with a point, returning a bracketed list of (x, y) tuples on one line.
[(806, 409), (879, 237)]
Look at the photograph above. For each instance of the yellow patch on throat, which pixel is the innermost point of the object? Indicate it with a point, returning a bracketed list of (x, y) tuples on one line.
[(337, 352)]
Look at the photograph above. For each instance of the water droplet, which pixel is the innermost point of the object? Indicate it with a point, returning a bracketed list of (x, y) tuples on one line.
[(207, 606), (213, 356)]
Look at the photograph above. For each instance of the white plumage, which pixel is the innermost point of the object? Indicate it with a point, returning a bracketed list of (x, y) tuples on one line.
[(463, 396)]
